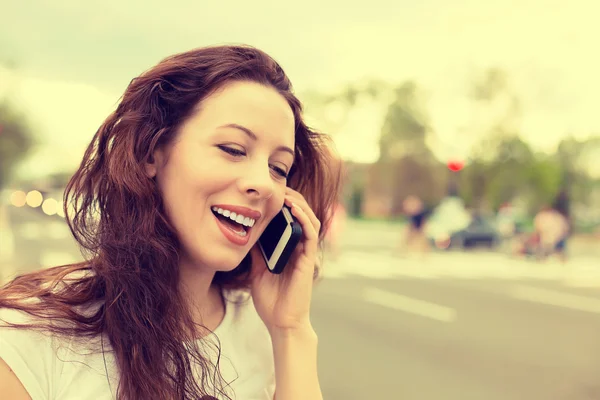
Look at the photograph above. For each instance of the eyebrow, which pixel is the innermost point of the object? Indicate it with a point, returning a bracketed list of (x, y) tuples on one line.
[(253, 136)]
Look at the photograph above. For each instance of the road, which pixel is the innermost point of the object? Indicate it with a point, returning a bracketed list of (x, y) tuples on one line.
[(463, 329), (462, 326)]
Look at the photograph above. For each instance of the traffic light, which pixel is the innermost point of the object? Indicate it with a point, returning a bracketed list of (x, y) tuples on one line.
[(455, 165)]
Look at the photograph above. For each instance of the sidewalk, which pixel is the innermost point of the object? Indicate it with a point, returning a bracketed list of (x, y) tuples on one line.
[(581, 272), (382, 235)]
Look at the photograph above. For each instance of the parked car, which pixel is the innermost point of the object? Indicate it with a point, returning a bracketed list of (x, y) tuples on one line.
[(452, 226), (480, 231)]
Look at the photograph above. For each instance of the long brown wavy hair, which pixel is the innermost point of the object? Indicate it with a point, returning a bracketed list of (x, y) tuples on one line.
[(116, 214)]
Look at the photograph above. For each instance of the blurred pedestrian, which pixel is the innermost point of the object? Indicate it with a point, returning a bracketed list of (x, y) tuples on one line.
[(414, 238), (507, 224), (553, 228)]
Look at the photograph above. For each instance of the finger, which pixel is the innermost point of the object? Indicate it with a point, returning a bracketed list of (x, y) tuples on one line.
[(301, 202), (308, 211), (299, 199), (310, 244), (296, 196)]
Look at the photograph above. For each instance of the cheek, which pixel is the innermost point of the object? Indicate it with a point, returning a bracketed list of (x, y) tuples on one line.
[(192, 182), (178, 191), (276, 202)]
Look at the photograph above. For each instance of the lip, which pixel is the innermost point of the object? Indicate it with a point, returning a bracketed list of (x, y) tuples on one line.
[(232, 236), (245, 211)]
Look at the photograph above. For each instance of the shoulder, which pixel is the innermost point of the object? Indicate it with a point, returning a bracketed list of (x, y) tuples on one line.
[(30, 354), (48, 364), (14, 329)]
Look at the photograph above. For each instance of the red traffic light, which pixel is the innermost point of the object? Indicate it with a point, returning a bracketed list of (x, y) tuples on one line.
[(455, 165)]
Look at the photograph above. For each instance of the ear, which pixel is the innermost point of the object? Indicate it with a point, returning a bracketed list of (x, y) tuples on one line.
[(152, 165)]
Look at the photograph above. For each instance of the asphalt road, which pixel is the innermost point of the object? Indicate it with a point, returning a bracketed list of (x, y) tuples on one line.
[(462, 326), (456, 338)]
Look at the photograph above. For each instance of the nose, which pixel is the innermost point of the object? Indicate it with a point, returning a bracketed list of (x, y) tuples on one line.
[(257, 181)]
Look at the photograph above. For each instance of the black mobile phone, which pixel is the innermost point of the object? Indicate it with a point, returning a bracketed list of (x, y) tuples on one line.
[(279, 240)]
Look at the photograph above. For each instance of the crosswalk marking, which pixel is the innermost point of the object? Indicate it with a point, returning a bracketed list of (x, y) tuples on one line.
[(556, 298), (408, 304)]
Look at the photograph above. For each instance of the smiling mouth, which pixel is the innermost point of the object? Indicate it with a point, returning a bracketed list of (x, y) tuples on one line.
[(238, 223)]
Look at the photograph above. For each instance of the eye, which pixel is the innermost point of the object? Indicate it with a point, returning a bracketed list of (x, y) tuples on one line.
[(232, 151), (279, 171)]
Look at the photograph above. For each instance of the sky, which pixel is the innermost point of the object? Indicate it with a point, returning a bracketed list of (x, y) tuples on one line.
[(74, 59)]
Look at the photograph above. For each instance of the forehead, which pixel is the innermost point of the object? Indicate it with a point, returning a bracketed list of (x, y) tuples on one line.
[(252, 105)]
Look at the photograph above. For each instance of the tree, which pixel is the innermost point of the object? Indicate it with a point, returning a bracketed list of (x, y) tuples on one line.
[(333, 109), (406, 165), (574, 158), (499, 154), (15, 140), (406, 125), (509, 173)]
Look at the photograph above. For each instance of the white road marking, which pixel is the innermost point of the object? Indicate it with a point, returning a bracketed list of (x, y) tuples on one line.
[(556, 298), (409, 304), (583, 282)]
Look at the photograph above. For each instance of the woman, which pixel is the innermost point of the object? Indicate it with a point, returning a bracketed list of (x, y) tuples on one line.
[(174, 300)]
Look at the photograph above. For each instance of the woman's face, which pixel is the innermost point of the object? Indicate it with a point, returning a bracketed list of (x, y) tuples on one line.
[(228, 162)]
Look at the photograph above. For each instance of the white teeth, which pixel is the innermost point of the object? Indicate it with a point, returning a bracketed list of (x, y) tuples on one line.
[(241, 233), (239, 218)]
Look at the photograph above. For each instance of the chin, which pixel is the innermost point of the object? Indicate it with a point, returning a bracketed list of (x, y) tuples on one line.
[(222, 263)]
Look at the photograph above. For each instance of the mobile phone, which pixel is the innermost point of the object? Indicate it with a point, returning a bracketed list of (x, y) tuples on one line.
[(279, 240)]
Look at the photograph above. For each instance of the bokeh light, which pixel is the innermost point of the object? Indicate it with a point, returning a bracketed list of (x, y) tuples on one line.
[(34, 198), (18, 198), (60, 211), (50, 206)]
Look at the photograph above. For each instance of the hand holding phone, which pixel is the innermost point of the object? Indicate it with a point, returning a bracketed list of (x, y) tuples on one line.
[(278, 241)]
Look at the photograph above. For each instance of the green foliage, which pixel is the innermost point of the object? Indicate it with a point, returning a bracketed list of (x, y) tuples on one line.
[(490, 85), (501, 168), (405, 126), (15, 140), (542, 184)]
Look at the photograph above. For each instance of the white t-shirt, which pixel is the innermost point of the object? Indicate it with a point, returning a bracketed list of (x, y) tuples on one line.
[(50, 367)]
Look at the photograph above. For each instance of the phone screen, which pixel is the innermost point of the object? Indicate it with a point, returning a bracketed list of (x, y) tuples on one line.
[(270, 237), (279, 240)]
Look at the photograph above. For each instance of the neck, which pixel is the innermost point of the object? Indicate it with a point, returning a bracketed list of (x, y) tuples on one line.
[(203, 298)]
